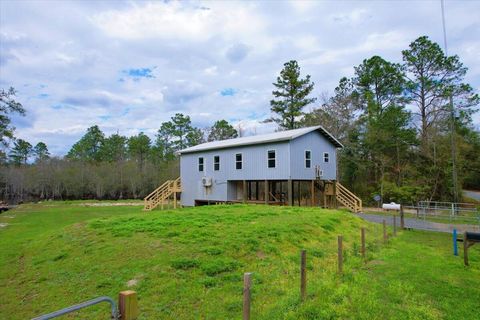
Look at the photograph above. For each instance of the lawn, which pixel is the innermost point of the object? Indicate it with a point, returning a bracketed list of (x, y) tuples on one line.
[(189, 263)]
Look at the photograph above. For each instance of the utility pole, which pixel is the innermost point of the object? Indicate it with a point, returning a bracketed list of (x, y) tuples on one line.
[(452, 119)]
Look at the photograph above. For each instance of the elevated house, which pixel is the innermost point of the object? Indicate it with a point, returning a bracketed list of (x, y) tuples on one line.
[(294, 167)]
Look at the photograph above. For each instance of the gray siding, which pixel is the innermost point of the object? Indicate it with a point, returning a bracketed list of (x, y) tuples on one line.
[(290, 164), (254, 168), (317, 144)]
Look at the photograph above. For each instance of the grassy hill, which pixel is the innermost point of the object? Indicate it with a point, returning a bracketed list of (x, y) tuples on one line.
[(189, 263)]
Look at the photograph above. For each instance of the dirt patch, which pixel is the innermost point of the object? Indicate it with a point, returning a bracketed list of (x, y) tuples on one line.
[(3, 225), (133, 282), (110, 204)]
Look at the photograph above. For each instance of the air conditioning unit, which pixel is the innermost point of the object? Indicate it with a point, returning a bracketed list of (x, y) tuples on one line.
[(318, 172), (207, 181)]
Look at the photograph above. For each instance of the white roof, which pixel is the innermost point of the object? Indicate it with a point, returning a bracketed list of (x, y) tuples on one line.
[(264, 138)]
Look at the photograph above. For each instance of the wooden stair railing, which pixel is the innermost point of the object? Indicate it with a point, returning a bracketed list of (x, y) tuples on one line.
[(348, 198), (165, 191)]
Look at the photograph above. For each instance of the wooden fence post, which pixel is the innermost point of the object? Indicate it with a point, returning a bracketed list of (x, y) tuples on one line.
[(402, 220), (340, 254), (465, 249), (247, 284), (128, 305), (363, 244), (303, 275), (394, 225), (385, 236)]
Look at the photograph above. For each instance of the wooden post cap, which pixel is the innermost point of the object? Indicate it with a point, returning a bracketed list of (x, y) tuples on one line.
[(128, 305)]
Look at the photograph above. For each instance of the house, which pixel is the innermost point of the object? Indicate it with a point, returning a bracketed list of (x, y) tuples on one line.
[(294, 167)]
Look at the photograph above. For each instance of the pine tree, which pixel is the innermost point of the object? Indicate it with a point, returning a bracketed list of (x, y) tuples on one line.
[(290, 96)]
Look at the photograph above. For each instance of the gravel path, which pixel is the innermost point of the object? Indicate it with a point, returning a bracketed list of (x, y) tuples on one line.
[(472, 194), (420, 224)]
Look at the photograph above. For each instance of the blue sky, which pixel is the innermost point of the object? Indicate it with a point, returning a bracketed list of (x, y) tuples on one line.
[(129, 66)]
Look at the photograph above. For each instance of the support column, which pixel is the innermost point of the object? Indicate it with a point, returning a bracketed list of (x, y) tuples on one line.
[(266, 192), (244, 191), (290, 192), (313, 193)]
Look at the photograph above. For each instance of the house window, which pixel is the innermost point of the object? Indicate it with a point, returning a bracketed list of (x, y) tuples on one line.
[(271, 158), (326, 157), (308, 159), (238, 161), (200, 164), (216, 163)]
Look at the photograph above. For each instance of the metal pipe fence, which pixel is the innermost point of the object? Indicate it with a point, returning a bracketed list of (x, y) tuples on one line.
[(450, 211), (58, 313)]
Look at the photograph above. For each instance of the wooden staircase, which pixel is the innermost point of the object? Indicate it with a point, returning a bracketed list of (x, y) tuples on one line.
[(348, 198), (162, 194)]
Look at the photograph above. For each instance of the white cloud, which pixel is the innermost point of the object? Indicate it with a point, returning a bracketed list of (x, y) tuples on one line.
[(70, 63)]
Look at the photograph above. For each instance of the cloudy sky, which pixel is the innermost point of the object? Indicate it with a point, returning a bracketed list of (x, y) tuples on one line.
[(129, 66)]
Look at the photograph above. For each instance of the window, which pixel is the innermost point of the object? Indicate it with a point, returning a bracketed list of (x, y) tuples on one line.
[(308, 158), (200, 164), (326, 157), (216, 163), (238, 161), (271, 158)]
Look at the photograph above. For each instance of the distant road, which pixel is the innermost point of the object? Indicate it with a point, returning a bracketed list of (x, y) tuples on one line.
[(472, 194), (421, 224)]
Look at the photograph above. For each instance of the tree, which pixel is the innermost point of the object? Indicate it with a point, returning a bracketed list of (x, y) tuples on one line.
[(113, 148), (384, 125), (175, 135), (41, 152), (290, 96), (222, 130), (88, 147), (139, 148), (8, 106), (21, 151), (337, 114), (432, 77), (164, 147), (182, 127)]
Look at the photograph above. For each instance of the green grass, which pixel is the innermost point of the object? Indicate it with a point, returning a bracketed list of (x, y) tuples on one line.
[(189, 263)]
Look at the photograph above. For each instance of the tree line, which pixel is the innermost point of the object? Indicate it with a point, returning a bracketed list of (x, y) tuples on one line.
[(103, 167), (406, 126)]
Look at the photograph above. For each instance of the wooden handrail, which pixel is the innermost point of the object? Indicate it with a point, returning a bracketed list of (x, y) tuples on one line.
[(348, 198), (160, 194)]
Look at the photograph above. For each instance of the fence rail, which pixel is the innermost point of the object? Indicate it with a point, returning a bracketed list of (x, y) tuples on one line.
[(451, 211), (58, 313)]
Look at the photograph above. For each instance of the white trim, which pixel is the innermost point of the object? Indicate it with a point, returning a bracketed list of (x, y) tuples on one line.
[(275, 152), (328, 157), (241, 161), (305, 159)]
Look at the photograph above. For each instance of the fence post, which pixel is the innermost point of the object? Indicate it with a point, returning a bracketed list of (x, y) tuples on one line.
[(455, 247), (385, 237), (303, 275), (363, 243), (247, 284), (394, 225), (402, 220), (465, 249), (340, 254), (128, 305)]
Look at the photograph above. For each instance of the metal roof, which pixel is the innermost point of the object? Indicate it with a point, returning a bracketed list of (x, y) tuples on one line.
[(260, 139)]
